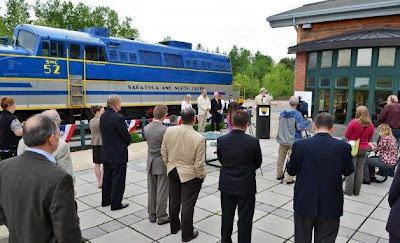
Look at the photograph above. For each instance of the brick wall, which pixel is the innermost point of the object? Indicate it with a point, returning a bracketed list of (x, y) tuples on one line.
[(300, 72), (327, 29)]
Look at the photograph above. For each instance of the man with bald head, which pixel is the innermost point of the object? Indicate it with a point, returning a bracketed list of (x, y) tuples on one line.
[(216, 110), (62, 154), (37, 196)]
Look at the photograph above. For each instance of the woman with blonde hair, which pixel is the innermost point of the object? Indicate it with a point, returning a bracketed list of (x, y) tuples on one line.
[(385, 154), (360, 127)]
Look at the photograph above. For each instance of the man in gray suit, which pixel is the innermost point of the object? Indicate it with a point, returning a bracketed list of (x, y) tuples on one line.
[(36, 195), (157, 180)]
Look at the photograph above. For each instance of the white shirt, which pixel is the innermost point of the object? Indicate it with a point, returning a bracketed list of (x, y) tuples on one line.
[(185, 105), (42, 152)]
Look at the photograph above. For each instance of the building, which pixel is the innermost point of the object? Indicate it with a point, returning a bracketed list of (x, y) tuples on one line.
[(347, 53)]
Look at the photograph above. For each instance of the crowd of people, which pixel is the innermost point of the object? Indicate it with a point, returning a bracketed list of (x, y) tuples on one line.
[(37, 198)]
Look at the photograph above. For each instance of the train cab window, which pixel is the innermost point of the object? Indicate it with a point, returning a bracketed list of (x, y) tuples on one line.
[(46, 48), (26, 40), (53, 48), (91, 53), (61, 50), (102, 54), (75, 51)]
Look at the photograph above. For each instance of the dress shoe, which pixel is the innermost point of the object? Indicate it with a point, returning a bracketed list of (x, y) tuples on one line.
[(279, 178), (290, 182), (366, 182), (372, 179), (163, 222), (123, 205), (194, 235), (106, 205), (176, 231), (152, 220)]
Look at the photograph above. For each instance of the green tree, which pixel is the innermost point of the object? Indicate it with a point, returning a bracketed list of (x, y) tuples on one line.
[(3, 29), (279, 81), (240, 59), (168, 38), (217, 50), (17, 13), (200, 47), (251, 88), (53, 13), (289, 62)]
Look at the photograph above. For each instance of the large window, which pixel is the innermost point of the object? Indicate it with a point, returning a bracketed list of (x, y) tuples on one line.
[(344, 58), (364, 57), (310, 82), (26, 40), (326, 61), (342, 83), (340, 106), (386, 57), (384, 83), (323, 100), (312, 60), (325, 82)]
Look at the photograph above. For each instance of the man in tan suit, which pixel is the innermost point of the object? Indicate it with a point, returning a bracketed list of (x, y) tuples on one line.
[(183, 151), (62, 154), (203, 107), (157, 180), (263, 98)]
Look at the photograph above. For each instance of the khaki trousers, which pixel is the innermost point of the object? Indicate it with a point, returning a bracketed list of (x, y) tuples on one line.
[(282, 152), (202, 122)]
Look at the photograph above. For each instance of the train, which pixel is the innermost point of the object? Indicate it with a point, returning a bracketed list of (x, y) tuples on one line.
[(51, 68)]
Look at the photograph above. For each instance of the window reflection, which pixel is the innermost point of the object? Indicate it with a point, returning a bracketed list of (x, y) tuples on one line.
[(360, 97), (340, 106), (323, 100)]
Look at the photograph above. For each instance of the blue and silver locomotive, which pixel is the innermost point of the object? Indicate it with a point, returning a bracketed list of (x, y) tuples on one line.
[(69, 71)]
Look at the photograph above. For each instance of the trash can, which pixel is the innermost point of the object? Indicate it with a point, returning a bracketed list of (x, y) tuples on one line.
[(263, 124)]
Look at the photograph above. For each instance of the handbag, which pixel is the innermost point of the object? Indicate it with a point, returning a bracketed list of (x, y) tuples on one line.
[(355, 144)]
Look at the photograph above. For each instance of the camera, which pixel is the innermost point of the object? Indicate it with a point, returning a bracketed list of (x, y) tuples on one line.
[(248, 110), (302, 107)]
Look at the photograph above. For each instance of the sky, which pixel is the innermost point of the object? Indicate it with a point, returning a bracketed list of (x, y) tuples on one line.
[(213, 23)]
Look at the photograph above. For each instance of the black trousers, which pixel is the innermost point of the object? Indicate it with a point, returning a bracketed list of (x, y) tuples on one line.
[(393, 239), (325, 229), (215, 121), (184, 194), (113, 184), (246, 206)]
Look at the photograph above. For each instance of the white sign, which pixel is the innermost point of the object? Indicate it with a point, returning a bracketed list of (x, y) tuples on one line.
[(306, 96)]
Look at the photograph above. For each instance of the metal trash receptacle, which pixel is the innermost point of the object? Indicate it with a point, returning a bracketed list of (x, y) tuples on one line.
[(263, 121)]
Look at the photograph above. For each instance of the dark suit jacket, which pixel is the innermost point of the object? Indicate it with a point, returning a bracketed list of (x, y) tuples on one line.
[(319, 163), (37, 200), (240, 157), (393, 223), (115, 137), (215, 106)]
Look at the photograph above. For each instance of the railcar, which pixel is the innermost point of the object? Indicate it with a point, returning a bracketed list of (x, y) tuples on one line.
[(67, 70)]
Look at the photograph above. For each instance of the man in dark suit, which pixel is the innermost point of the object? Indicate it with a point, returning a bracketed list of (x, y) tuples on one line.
[(157, 179), (240, 156), (216, 110), (393, 222), (36, 195), (114, 154), (319, 163)]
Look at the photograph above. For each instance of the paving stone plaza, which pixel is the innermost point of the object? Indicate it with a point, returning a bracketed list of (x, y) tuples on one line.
[(364, 219)]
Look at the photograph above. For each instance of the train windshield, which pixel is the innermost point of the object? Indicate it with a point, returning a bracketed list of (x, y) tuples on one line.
[(26, 40)]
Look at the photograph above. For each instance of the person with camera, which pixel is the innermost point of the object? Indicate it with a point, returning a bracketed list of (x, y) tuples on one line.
[(291, 125)]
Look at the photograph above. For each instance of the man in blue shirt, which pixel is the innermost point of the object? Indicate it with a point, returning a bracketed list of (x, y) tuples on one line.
[(291, 125)]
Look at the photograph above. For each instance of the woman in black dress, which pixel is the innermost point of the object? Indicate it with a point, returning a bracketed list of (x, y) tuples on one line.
[(96, 142)]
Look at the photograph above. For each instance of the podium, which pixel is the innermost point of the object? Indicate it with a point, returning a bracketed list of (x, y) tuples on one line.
[(263, 121)]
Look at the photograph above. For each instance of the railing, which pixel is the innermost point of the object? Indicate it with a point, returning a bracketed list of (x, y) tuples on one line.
[(82, 134)]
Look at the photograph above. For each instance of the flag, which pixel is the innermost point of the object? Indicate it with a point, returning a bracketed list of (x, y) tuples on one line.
[(66, 131), (132, 125)]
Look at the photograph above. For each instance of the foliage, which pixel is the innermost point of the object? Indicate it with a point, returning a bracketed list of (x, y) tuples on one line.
[(289, 62), (64, 14), (3, 30), (208, 127), (168, 38), (17, 13), (279, 80), (136, 138), (251, 87)]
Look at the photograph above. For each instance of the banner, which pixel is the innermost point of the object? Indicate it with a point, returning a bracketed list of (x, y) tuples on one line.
[(66, 131)]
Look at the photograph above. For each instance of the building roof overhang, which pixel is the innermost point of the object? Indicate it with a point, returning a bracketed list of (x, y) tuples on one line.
[(336, 10), (359, 39)]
